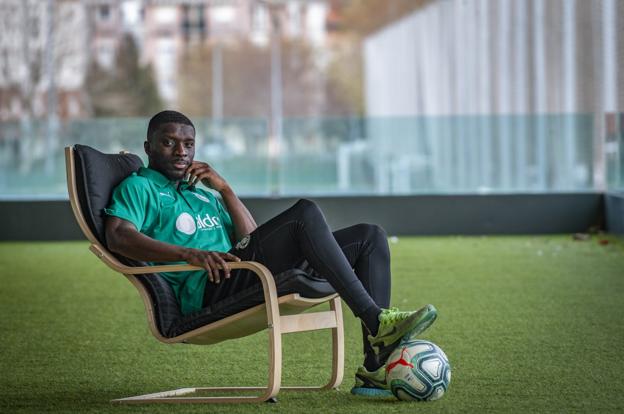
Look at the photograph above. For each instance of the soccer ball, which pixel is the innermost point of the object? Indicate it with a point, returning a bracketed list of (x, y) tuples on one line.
[(418, 371)]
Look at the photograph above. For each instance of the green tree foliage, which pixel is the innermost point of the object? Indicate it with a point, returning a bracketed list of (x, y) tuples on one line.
[(128, 90)]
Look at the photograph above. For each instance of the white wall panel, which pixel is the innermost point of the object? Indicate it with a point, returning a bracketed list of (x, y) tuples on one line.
[(503, 94)]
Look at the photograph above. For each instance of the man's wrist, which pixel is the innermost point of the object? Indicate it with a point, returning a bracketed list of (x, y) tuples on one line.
[(184, 254), (226, 190)]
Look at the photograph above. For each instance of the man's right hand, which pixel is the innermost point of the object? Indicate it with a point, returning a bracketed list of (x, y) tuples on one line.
[(123, 238), (211, 261)]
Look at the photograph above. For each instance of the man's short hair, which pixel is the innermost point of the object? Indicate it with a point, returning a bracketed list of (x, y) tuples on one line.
[(165, 117)]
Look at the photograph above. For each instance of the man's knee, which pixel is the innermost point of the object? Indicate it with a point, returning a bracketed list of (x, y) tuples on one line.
[(374, 233), (307, 207)]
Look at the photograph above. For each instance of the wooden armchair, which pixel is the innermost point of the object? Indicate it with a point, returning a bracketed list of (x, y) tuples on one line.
[(91, 177)]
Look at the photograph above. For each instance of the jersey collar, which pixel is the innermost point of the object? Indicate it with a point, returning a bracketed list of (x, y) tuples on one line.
[(162, 181), (154, 176)]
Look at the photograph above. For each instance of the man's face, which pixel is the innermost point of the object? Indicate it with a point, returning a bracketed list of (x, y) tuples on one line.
[(171, 149)]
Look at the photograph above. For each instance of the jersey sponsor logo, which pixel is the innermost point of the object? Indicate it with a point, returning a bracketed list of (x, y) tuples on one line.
[(202, 197), (186, 224), (207, 222)]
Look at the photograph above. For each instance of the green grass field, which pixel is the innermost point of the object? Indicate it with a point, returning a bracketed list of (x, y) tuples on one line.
[(530, 324)]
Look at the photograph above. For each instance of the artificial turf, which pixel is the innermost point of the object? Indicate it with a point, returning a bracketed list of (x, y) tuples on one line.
[(530, 324)]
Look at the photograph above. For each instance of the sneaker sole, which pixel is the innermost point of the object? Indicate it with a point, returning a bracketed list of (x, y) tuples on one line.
[(370, 392)]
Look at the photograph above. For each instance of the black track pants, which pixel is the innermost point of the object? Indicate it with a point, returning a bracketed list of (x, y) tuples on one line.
[(355, 260)]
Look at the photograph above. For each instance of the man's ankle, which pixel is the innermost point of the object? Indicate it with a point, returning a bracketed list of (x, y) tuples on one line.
[(370, 319), (372, 363)]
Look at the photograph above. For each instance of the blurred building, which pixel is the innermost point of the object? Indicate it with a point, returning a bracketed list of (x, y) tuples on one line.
[(106, 30), (169, 26), (163, 28), (43, 58), (79, 32)]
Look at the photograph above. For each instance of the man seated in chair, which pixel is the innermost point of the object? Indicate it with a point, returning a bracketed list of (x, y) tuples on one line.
[(159, 214)]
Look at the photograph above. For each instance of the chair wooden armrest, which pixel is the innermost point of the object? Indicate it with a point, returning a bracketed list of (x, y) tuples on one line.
[(114, 264)]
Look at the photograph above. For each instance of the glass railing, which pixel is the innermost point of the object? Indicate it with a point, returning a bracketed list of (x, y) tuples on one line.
[(347, 156), (614, 151)]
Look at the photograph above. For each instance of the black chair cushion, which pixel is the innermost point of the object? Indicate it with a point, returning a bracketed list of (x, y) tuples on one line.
[(290, 281), (97, 174), (171, 322)]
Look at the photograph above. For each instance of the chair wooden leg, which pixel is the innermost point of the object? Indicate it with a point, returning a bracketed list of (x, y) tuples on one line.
[(175, 396), (275, 374), (337, 373), (337, 346)]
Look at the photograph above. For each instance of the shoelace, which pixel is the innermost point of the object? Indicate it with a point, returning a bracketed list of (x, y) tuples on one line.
[(394, 315)]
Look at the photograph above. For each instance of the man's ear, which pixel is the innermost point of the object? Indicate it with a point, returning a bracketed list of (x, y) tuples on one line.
[(146, 147)]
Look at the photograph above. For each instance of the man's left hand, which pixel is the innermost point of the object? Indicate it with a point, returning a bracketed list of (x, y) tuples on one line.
[(201, 171)]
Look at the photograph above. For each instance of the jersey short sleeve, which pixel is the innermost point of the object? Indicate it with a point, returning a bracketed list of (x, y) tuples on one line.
[(130, 201)]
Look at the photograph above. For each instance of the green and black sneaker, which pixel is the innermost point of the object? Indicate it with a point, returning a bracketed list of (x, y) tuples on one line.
[(371, 384), (395, 326)]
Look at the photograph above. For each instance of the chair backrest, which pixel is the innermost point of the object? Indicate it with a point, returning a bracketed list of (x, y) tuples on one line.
[(96, 175)]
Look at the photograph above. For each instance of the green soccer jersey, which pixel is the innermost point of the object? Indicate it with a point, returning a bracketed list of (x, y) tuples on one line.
[(184, 215)]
